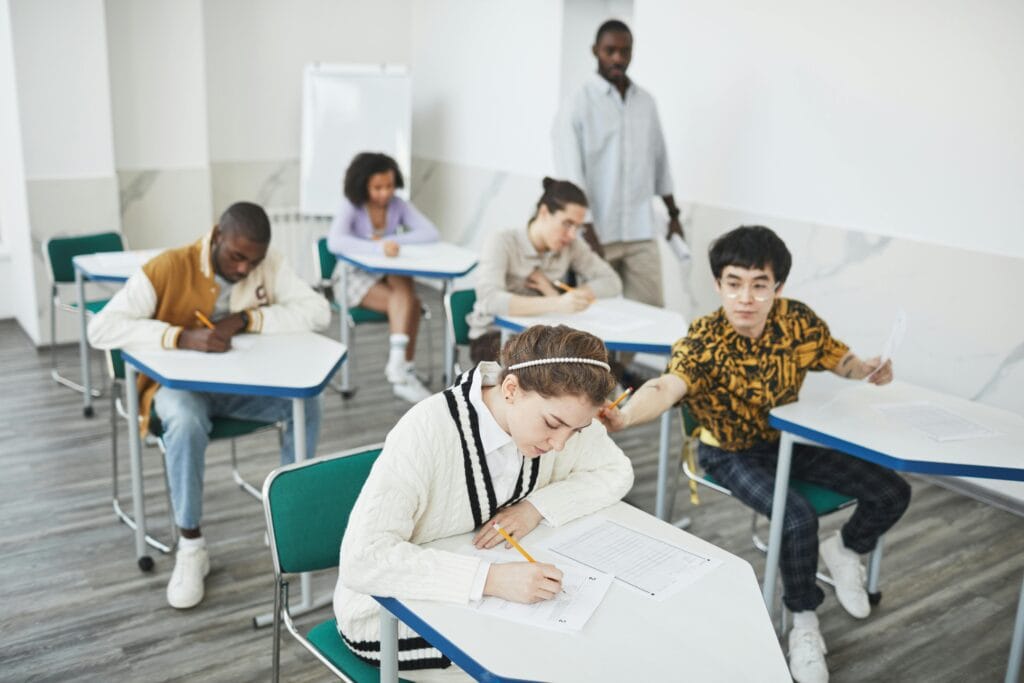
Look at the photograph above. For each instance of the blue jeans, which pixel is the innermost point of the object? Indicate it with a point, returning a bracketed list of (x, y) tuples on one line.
[(186, 418)]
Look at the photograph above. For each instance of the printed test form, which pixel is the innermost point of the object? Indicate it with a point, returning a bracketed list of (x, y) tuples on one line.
[(649, 565)]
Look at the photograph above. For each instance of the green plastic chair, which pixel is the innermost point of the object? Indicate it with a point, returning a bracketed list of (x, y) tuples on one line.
[(221, 428), (824, 501), (457, 306), (325, 263), (307, 506), (58, 253)]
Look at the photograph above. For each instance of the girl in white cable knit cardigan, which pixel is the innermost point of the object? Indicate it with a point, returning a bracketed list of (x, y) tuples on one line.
[(512, 446)]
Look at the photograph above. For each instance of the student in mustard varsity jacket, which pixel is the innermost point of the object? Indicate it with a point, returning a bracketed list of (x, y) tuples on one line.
[(234, 279), (731, 369), (513, 445)]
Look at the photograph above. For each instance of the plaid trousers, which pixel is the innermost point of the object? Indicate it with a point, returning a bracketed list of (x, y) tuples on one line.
[(882, 497)]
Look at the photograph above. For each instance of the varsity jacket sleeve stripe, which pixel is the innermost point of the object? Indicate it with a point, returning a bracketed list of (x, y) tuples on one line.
[(127, 319)]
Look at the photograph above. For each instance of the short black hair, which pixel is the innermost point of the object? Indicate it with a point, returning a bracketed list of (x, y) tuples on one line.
[(364, 165), (750, 246), (248, 220), (611, 26)]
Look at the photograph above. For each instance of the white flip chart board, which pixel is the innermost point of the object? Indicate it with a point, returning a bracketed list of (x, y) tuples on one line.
[(347, 109)]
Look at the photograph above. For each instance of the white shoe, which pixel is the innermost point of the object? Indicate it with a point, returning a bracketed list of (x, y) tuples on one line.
[(807, 656), (409, 387), (848, 575), (185, 589)]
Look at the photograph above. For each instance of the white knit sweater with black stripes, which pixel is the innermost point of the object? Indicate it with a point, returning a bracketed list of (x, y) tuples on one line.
[(430, 482)]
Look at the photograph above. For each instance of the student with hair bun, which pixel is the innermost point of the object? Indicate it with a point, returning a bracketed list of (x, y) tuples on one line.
[(373, 220), (519, 268), (513, 444)]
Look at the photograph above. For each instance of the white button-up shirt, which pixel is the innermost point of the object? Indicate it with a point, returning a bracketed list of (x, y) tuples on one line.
[(613, 148)]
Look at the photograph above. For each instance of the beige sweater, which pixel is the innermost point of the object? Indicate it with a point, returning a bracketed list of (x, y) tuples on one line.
[(431, 482)]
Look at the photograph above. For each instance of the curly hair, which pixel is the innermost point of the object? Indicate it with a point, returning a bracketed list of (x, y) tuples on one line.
[(559, 379), (364, 165)]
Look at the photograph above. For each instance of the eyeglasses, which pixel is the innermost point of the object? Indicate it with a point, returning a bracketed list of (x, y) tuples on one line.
[(759, 291)]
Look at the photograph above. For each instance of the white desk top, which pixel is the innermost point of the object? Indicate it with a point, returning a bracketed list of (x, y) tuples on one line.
[(716, 629), (849, 420), (622, 324), (296, 365), (113, 266), (435, 260)]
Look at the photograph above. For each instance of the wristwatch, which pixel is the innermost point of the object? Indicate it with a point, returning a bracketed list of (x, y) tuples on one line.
[(673, 214), (245, 319)]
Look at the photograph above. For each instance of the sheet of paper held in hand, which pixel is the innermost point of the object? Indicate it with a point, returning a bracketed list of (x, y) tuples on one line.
[(892, 344), (938, 423), (649, 565), (582, 592)]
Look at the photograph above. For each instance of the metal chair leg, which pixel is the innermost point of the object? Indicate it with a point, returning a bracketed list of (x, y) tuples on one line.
[(54, 370), (874, 572), (237, 476)]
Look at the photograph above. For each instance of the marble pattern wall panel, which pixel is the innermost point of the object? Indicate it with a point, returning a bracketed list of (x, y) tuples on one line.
[(166, 207), (272, 184)]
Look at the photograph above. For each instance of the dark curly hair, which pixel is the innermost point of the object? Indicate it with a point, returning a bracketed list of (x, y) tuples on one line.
[(364, 165)]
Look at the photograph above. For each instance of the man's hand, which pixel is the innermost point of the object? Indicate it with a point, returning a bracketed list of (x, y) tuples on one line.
[(517, 520), (674, 228), (527, 582), (203, 339), (875, 372), (228, 326), (611, 418), (539, 282)]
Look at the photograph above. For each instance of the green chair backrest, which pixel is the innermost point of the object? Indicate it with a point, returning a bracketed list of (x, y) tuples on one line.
[(308, 505), (60, 251), (690, 423), (460, 304), (116, 363), (326, 261)]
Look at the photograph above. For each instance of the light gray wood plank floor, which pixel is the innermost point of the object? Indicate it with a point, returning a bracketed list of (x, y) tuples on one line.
[(74, 606)]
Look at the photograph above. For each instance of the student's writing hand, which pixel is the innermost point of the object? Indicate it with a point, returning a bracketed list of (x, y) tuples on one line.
[(611, 418), (390, 247), (877, 374), (229, 326), (539, 282), (527, 582), (573, 302), (203, 339), (517, 520)]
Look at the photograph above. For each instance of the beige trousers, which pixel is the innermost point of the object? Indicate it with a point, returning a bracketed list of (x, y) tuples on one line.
[(639, 267)]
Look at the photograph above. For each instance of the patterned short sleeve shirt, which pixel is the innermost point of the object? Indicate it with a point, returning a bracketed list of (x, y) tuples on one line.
[(733, 381)]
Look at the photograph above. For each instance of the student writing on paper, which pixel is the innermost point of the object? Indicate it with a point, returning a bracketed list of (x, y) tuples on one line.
[(519, 268), (512, 444), (731, 369), (199, 297), (373, 220)]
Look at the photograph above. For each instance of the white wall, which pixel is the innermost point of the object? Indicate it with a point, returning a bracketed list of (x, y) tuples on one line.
[(158, 87), (486, 82), (63, 91), (900, 119), (580, 22), (255, 54)]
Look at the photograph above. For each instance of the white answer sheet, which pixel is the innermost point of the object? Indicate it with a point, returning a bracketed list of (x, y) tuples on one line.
[(938, 423)]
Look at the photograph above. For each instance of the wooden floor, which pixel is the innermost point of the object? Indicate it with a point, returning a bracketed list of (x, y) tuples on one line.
[(74, 606)]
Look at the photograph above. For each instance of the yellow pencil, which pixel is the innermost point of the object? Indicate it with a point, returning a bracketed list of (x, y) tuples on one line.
[(619, 400), (203, 319), (564, 287), (513, 543)]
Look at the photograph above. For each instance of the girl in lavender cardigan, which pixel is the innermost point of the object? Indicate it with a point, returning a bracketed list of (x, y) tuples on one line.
[(372, 220)]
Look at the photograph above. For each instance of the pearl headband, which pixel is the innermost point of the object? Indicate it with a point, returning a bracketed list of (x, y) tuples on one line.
[(567, 359)]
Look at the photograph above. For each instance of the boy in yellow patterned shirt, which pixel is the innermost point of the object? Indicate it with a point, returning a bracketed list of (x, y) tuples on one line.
[(731, 369)]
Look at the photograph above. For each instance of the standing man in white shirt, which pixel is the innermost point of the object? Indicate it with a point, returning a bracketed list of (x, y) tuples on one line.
[(608, 140)]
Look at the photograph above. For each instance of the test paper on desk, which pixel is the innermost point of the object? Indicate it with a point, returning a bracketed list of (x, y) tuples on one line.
[(938, 423), (652, 566)]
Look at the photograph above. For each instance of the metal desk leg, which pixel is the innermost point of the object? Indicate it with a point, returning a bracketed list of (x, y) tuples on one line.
[(1017, 644), (771, 565), (661, 498), (306, 604), (83, 346), (449, 342), (135, 449), (388, 646), (346, 387)]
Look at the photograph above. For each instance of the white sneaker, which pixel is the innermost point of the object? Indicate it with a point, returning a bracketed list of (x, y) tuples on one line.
[(848, 575), (409, 387), (807, 656), (185, 589)]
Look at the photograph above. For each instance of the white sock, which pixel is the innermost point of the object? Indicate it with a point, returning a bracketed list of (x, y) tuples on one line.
[(396, 355), (191, 542), (808, 619)]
